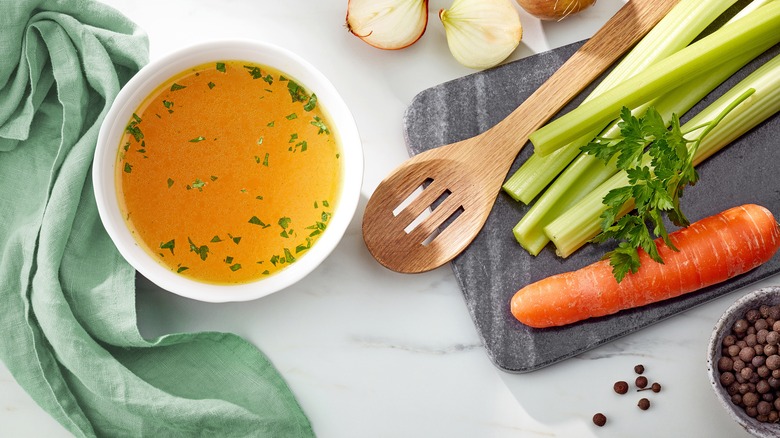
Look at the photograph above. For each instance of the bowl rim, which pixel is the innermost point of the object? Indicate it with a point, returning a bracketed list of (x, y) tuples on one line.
[(145, 82), (754, 299)]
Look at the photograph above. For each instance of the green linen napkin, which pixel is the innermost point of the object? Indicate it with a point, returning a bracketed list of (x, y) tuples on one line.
[(67, 320)]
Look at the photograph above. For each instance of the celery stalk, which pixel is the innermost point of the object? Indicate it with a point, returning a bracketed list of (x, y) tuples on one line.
[(756, 29), (676, 30), (587, 172), (581, 222)]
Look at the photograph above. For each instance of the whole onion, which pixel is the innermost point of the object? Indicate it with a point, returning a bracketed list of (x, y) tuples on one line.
[(554, 9)]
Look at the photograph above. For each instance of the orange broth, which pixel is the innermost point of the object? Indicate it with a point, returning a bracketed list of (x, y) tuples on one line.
[(228, 172)]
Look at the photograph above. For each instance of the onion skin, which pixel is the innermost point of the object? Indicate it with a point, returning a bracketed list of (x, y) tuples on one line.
[(387, 24), (554, 9)]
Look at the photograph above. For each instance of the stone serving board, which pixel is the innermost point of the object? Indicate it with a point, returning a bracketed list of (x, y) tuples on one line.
[(494, 266)]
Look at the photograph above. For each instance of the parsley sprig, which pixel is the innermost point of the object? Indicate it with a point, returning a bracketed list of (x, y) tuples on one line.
[(658, 161)]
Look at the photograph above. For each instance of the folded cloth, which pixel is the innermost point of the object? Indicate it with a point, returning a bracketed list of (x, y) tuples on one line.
[(68, 321)]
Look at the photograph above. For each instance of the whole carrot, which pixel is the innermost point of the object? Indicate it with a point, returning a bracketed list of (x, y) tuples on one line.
[(712, 250)]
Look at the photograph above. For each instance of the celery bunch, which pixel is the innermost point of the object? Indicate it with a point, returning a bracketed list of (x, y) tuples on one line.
[(682, 78)]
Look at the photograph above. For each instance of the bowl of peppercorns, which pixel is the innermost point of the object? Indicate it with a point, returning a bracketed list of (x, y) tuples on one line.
[(743, 361)]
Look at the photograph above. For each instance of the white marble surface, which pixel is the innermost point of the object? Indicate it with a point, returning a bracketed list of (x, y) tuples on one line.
[(371, 353)]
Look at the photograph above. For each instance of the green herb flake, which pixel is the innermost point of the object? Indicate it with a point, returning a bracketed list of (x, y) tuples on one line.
[(297, 92), (167, 104), (197, 139), (202, 251), (283, 78), (325, 203), (291, 116), (133, 129), (228, 260), (259, 198), (198, 184), (171, 244), (254, 71), (311, 104), (170, 183), (284, 222), (235, 239), (293, 137), (211, 85), (274, 260), (265, 160), (257, 159), (235, 267), (176, 87), (317, 122), (221, 67), (270, 124), (288, 256), (254, 220), (181, 269), (216, 239), (260, 140), (128, 168), (316, 205), (213, 178)]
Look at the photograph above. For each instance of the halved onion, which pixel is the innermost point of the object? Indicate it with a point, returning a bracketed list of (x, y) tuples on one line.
[(481, 33), (387, 24)]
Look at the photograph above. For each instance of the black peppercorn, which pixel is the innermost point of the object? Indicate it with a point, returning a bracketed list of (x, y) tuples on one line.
[(599, 419)]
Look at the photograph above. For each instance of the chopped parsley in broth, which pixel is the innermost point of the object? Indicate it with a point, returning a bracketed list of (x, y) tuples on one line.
[(228, 172)]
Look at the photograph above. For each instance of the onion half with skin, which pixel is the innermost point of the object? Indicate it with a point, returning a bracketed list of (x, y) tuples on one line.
[(387, 24), (481, 33), (554, 9)]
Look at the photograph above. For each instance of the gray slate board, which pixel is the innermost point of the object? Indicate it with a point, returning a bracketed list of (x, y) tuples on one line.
[(494, 266)]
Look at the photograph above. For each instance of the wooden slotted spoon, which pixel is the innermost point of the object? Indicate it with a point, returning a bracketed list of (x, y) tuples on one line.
[(466, 176)]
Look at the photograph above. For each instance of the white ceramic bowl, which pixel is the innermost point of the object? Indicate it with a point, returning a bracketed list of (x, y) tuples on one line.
[(152, 75), (769, 296)]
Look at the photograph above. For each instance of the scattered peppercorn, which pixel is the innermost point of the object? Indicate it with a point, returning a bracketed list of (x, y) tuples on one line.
[(641, 382), (621, 387), (643, 404), (656, 387), (599, 419), (639, 369)]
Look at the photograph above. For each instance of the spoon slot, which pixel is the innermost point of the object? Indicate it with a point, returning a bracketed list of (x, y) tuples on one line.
[(438, 217)]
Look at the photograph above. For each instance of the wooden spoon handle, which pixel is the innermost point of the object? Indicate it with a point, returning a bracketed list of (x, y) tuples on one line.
[(616, 37)]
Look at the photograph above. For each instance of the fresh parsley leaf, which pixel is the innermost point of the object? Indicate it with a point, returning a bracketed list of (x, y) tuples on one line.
[(211, 85), (170, 183), (128, 168), (197, 139), (658, 162), (176, 87), (221, 67)]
